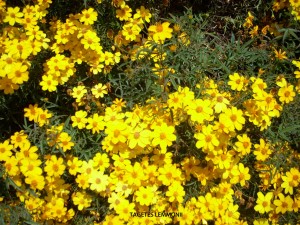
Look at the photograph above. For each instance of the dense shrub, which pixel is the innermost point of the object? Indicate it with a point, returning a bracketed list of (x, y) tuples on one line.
[(114, 112)]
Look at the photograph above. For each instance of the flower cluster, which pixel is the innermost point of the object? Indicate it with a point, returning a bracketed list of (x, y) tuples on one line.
[(201, 151), (150, 133), (294, 6), (20, 41)]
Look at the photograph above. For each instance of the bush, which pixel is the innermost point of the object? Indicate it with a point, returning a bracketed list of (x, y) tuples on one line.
[(114, 113)]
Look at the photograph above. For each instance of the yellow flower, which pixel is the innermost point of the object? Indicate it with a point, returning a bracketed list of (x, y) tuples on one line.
[(35, 181), (168, 174), (82, 181), (261, 222), (220, 207), (296, 63), (283, 204), (184, 39), (79, 120), (220, 103), (64, 141), (160, 159), (265, 101), (88, 16), (13, 16), (237, 82), (290, 180), (115, 199), (32, 112), (258, 85), (99, 90), (90, 40), (82, 200), (95, 123), (131, 32), (124, 209), (98, 181), (139, 136), (119, 104), (265, 29), (190, 166), (124, 13), (5, 150), (78, 92), (19, 73), (262, 150), (207, 139), (232, 118), (33, 204), (248, 21), (11, 166), (263, 202), (145, 196), (101, 161), (57, 208), (48, 83), (206, 205), (223, 159), (8, 86), (18, 139), (160, 32), (134, 175), (175, 192), (54, 166), (163, 136), (240, 174), (243, 145), (281, 55), (117, 132), (254, 32), (200, 110), (143, 13), (74, 165), (232, 214), (31, 167), (286, 94), (43, 117)]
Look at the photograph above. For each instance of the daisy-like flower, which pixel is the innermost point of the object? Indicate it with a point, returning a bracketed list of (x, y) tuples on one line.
[(13, 15), (283, 204), (281, 55), (48, 83), (286, 94), (175, 192), (145, 196), (243, 145), (98, 181), (160, 32), (263, 202), (233, 118), (82, 200), (163, 136), (143, 14), (79, 120), (32, 112), (89, 16), (207, 139), (124, 13), (19, 73), (99, 90), (79, 92), (55, 166), (237, 82)]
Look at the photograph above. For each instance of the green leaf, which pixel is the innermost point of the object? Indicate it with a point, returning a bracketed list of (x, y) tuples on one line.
[(31, 222)]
